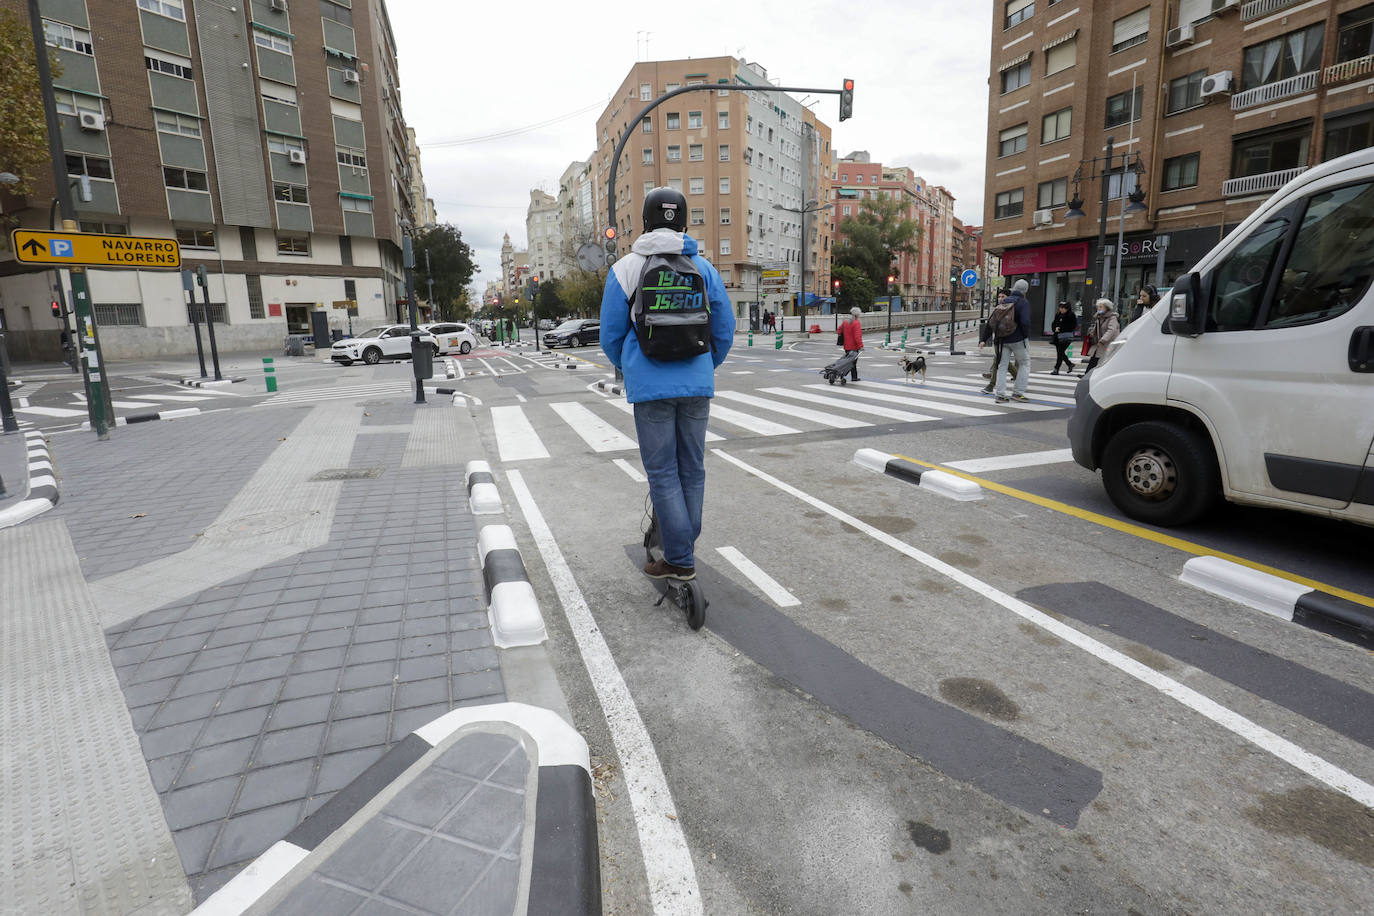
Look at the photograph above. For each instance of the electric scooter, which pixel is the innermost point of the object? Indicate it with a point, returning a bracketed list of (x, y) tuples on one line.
[(687, 595)]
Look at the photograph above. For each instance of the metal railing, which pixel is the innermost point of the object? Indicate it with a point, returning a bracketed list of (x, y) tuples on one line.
[(1257, 8), (1348, 69), (1255, 184), (1271, 92)]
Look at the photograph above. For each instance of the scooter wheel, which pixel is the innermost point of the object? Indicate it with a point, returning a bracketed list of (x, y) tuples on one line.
[(695, 603), (651, 538)]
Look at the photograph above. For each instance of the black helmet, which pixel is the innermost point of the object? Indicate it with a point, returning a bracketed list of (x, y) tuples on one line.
[(664, 207)]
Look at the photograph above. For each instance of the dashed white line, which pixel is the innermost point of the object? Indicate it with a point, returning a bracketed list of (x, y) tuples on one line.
[(1006, 462), (766, 583), (632, 471), (516, 439)]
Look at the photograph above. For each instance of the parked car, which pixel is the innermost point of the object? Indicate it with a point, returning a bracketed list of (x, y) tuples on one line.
[(574, 333), (546, 324), (388, 341), (453, 336)]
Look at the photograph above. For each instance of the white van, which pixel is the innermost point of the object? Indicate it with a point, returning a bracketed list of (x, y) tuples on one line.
[(1254, 378)]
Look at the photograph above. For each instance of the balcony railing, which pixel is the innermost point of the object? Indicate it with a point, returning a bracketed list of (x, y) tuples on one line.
[(1257, 8), (1348, 70), (1255, 184), (1272, 92)]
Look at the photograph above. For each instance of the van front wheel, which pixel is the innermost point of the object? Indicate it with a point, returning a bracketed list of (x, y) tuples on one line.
[(1160, 473)]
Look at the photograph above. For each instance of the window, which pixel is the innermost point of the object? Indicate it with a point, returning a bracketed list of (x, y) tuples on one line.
[(672, 86), (1056, 125), (1285, 148), (1181, 172), (647, 156), (694, 120), (1355, 34), (172, 9), (61, 35), (724, 246), (352, 158), (1348, 134), (118, 313), (675, 184), (255, 309), (1282, 57), (355, 205), (698, 216), (169, 123), (290, 193), (725, 216), (1018, 11), (91, 166), (723, 120), (1061, 57), (724, 152), (73, 103), (185, 179), (104, 228), (1012, 140), (646, 126), (169, 67), (265, 39), (283, 145), (1009, 204), (1328, 268), (346, 258), (1131, 30), (1052, 193), (696, 152), (336, 12), (1185, 92), (674, 120), (674, 154), (648, 186), (1238, 285), (196, 238), (646, 92), (1015, 77), (725, 184), (847, 210), (1121, 183), (1124, 107), (293, 245), (215, 311), (696, 186)]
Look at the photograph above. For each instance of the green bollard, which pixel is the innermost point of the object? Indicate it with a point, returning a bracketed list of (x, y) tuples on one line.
[(270, 372), (751, 335), (777, 345), (904, 330)]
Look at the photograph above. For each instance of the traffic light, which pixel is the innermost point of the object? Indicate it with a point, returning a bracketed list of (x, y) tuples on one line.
[(847, 100), (610, 243), (57, 310)]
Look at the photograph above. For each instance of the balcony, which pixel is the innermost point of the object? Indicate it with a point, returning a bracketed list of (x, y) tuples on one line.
[(1259, 8), (1257, 184), (1348, 70), (1272, 92)]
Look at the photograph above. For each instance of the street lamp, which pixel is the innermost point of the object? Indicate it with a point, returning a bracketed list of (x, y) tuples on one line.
[(835, 309), (812, 206), (891, 278), (1110, 165), (408, 262), (7, 421)]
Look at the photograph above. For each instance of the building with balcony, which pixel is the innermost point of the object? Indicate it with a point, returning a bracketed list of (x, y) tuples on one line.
[(269, 142), (544, 235), (1216, 104)]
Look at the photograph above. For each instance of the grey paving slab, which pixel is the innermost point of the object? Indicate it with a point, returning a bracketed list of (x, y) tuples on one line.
[(14, 467)]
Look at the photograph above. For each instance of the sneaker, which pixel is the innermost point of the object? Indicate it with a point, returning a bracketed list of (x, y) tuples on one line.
[(987, 375), (1019, 397), (1055, 372), (1002, 399), (662, 569), (987, 390)]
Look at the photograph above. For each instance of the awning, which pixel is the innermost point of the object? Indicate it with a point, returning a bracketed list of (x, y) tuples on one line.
[(1014, 61), (1060, 40)]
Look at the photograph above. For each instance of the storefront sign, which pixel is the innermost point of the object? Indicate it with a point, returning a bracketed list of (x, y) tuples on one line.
[(1071, 256)]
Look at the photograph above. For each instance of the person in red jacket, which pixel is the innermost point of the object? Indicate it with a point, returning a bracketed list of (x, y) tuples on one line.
[(853, 336)]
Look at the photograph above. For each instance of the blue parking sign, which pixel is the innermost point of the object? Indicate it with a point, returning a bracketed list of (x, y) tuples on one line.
[(60, 248)]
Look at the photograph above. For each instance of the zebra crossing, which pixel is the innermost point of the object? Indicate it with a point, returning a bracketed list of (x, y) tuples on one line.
[(29, 414), (605, 425), (340, 393)]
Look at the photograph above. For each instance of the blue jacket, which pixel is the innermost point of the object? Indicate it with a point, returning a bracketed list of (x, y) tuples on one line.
[(1023, 319), (649, 379)]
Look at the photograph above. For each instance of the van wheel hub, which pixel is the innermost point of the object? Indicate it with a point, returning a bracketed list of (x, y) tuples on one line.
[(1151, 473)]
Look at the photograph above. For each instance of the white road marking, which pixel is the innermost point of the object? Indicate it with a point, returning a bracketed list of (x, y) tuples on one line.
[(521, 398), (1322, 770), (596, 432), (516, 439), (51, 411), (933, 390), (750, 422), (630, 469), (516, 367), (742, 372), (849, 404), (766, 583), (23, 402), (1006, 462), (973, 386), (888, 397), (630, 409), (673, 889), (171, 397), (489, 366), (789, 410), (130, 405)]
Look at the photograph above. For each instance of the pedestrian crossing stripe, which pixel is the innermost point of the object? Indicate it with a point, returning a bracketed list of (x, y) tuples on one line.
[(596, 432), (888, 413), (800, 413), (868, 393), (629, 408)]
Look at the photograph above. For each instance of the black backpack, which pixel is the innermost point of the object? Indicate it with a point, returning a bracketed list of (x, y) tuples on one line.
[(669, 309), (1003, 319)]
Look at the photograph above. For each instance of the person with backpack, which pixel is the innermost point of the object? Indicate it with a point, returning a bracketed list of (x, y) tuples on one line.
[(852, 337), (1010, 322), (1064, 326), (666, 324)]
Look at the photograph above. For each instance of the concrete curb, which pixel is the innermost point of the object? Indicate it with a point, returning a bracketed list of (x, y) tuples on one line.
[(511, 603), (1281, 598), (147, 417), (941, 482), (613, 389), (483, 497), (41, 493), (565, 872), (210, 383)]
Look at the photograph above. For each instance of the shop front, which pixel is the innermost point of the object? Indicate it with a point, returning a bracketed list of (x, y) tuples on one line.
[(1056, 273)]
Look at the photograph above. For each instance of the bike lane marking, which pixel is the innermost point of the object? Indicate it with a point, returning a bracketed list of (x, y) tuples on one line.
[(766, 583)]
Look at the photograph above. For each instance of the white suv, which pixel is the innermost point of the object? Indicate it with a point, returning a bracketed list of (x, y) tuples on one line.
[(376, 344)]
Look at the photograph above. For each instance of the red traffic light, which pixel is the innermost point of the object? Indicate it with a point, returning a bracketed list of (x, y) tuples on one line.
[(56, 309), (610, 232), (849, 85), (837, 284)]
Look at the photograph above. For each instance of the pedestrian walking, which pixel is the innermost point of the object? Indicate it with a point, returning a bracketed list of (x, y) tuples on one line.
[(852, 333), (1064, 325), (1144, 301), (1105, 329), (1014, 336), (651, 330)]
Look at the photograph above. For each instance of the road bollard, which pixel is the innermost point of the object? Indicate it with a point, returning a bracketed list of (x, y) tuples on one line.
[(904, 330), (777, 345), (751, 337), (270, 372)]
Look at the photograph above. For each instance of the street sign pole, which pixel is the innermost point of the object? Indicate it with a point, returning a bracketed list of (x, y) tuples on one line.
[(209, 320), (188, 283)]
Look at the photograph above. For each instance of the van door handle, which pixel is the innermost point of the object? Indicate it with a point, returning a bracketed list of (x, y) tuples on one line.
[(1362, 350)]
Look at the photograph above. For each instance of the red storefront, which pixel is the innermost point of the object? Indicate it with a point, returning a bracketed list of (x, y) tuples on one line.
[(1056, 273)]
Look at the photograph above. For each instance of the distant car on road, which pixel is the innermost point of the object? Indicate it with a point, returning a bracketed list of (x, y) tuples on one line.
[(546, 324), (574, 333), (453, 336), (388, 341)]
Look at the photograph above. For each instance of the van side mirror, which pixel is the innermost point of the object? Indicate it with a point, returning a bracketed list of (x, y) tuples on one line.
[(1186, 307)]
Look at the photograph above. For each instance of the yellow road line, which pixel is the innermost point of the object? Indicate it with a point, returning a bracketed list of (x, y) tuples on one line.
[(1128, 528)]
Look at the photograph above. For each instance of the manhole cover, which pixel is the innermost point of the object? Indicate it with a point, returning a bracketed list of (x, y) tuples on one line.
[(348, 474), (253, 525)]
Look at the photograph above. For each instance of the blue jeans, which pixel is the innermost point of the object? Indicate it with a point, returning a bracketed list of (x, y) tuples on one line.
[(672, 445), (1020, 351)]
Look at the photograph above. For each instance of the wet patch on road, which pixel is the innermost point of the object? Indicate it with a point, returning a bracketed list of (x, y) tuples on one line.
[(973, 540), (955, 558), (890, 524), (932, 839), (1327, 818), (834, 604), (1148, 657), (934, 587), (981, 696), (1039, 635)]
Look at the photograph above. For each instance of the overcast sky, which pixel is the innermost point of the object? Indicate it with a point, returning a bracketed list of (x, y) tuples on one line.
[(473, 69)]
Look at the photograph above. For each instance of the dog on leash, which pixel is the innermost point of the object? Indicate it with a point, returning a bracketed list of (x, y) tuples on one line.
[(912, 364)]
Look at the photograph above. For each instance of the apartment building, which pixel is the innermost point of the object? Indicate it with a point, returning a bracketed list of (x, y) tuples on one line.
[(266, 138), (544, 235), (425, 214), (747, 162), (577, 214), (1216, 103)]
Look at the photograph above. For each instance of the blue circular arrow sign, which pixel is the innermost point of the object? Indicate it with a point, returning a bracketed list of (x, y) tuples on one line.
[(969, 277)]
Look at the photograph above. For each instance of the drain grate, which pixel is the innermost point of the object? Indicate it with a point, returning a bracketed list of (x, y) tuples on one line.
[(349, 474)]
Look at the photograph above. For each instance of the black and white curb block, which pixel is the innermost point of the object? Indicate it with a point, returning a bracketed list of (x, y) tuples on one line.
[(147, 417), (483, 497), (209, 382), (1281, 598), (42, 486), (940, 482), (609, 386), (511, 604), (565, 866)]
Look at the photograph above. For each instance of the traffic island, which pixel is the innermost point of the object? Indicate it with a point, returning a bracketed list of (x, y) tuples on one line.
[(941, 482)]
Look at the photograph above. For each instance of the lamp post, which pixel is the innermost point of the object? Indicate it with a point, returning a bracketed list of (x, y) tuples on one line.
[(812, 206), (1111, 164), (835, 310), (7, 421), (890, 280), (408, 262)]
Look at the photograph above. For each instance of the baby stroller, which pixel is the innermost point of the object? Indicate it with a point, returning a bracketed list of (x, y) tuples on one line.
[(840, 369)]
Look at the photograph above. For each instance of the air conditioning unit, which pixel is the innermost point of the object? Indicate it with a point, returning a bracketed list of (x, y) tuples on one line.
[(1043, 218), (279, 5), (1224, 6), (1183, 35), (1216, 83), (91, 120), (297, 156), (350, 76)]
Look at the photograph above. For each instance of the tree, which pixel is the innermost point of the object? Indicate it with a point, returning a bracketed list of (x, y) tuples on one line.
[(23, 131), (549, 303), (450, 265), (876, 237), (855, 288), (581, 292)]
